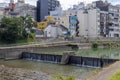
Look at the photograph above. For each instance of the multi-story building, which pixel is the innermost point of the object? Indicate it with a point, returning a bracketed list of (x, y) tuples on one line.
[(52, 4), (19, 9), (23, 9), (110, 25), (99, 19), (89, 22), (104, 28), (44, 7)]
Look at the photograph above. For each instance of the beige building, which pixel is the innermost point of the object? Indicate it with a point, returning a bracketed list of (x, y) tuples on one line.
[(64, 18)]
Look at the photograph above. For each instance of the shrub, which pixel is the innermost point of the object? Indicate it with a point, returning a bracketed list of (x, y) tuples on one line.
[(107, 45), (95, 45), (116, 76)]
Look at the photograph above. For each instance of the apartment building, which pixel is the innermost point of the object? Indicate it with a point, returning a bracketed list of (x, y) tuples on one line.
[(23, 9), (20, 8), (111, 17), (44, 7), (98, 19)]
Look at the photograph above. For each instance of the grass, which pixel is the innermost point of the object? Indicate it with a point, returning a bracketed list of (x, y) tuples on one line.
[(116, 76), (60, 77), (18, 43)]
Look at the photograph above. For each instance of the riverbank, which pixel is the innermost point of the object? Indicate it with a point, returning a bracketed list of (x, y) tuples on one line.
[(7, 73), (107, 73)]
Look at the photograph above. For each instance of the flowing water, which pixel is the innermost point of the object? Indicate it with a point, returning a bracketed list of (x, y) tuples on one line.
[(49, 68)]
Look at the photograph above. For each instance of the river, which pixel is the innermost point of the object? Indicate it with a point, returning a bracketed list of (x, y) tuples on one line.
[(49, 68), (113, 53), (52, 69)]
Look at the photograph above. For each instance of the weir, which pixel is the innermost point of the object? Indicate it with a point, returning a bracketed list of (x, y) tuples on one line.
[(73, 60), (42, 57)]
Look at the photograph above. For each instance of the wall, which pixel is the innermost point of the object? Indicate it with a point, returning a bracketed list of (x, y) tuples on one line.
[(93, 23), (53, 31), (64, 20), (42, 9), (83, 25), (88, 25), (73, 60), (15, 52)]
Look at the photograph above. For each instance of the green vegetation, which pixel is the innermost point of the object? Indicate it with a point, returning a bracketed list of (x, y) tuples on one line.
[(107, 44), (116, 76), (95, 45), (16, 29), (60, 77)]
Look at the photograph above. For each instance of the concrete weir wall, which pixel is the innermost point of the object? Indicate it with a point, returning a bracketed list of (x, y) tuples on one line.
[(73, 60), (42, 57)]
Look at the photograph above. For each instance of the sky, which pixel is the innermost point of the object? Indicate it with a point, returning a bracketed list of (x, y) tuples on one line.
[(66, 3)]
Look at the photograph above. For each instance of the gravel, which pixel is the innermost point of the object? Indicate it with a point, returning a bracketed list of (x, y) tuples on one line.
[(7, 73)]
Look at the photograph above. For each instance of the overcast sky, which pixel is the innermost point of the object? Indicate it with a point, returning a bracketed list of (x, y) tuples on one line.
[(66, 3)]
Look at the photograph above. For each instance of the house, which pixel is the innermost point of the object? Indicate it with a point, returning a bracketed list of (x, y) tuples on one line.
[(55, 31)]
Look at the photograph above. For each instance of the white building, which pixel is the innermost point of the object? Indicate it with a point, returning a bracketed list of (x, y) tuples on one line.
[(89, 22), (55, 31)]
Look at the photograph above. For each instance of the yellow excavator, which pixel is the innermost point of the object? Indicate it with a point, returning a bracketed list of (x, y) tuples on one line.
[(42, 25)]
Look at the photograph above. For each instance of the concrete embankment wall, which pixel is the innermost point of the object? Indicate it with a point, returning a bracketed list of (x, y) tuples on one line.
[(16, 52), (11, 53), (73, 60), (96, 39)]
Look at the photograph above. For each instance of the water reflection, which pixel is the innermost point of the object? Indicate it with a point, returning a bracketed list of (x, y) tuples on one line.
[(104, 53)]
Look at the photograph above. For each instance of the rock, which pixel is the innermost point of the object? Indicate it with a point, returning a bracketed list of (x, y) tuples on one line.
[(20, 74)]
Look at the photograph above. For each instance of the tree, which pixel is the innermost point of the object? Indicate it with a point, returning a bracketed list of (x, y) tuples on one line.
[(15, 29)]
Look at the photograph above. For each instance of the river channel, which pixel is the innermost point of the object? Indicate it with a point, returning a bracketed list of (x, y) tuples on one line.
[(112, 53), (52, 69)]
